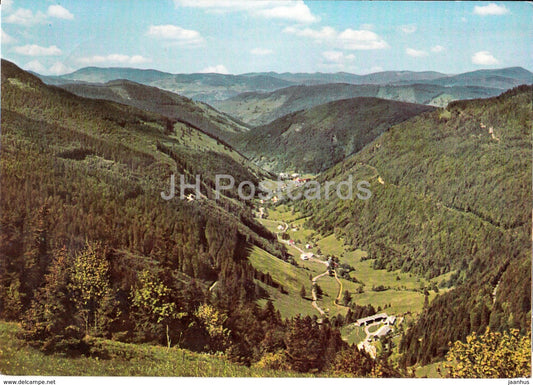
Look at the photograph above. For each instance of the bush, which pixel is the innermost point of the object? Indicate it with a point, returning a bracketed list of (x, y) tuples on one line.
[(274, 361)]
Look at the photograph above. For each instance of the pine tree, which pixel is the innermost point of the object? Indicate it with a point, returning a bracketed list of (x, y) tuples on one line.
[(319, 291), (302, 292), (305, 349), (36, 257), (347, 298), (51, 321)]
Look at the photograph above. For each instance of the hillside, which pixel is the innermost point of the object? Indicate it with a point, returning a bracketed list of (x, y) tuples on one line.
[(171, 105), (314, 140), (261, 108), (81, 196), (450, 194), (131, 152), (113, 358)]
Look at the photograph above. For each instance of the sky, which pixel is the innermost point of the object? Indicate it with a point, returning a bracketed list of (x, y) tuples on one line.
[(228, 36)]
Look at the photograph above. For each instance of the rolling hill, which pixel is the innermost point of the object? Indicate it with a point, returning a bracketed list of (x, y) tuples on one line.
[(314, 140), (171, 105), (384, 77), (261, 108), (450, 194), (503, 79), (201, 86)]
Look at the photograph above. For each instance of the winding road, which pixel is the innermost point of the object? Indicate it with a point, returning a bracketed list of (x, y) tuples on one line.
[(316, 278)]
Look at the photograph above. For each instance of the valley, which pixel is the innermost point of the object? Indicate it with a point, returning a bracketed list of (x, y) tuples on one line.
[(402, 294), (436, 252)]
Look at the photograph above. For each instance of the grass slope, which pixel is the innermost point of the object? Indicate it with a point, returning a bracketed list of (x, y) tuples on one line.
[(404, 293), (18, 359)]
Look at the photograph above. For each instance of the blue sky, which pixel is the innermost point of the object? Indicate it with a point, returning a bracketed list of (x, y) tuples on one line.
[(228, 36)]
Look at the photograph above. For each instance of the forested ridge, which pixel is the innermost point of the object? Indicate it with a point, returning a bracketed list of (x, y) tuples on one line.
[(166, 103), (313, 140), (451, 192)]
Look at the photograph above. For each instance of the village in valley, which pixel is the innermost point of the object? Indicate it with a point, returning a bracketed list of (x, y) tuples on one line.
[(369, 332)]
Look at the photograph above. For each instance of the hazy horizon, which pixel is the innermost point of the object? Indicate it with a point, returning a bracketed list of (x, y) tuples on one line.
[(275, 72)]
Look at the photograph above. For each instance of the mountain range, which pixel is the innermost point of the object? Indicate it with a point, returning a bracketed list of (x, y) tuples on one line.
[(210, 87)]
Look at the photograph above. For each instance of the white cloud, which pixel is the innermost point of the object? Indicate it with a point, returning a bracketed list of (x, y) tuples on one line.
[(113, 58), (25, 17), (408, 29), (325, 33), (219, 69), (176, 34), (6, 5), (490, 9), (6, 39), (294, 10), (348, 39), (261, 51), (59, 12), (364, 40), (35, 66), (415, 52), (376, 69), (337, 57), (36, 50), (59, 68), (437, 48), (484, 58)]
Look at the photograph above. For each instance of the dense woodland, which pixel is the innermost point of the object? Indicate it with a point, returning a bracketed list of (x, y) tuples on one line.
[(313, 140), (447, 197)]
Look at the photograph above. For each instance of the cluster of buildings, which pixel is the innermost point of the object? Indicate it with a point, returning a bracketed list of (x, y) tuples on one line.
[(381, 317), (388, 321)]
